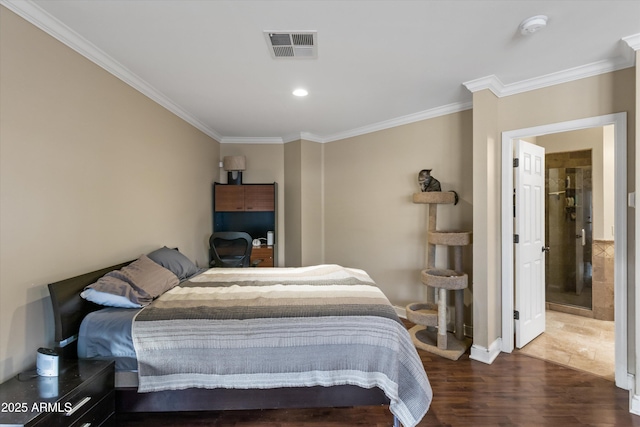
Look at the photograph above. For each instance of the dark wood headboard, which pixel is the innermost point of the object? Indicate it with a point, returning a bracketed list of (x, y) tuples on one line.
[(69, 308)]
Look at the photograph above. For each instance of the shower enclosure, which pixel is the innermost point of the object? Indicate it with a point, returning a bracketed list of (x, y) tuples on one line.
[(568, 232)]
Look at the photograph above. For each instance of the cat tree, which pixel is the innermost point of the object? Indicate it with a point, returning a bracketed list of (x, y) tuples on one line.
[(430, 332)]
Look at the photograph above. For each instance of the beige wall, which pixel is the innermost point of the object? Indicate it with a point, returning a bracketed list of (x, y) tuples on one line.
[(370, 220), (293, 204), (312, 202), (265, 164), (92, 173), (486, 219), (304, 204), (589, 97)]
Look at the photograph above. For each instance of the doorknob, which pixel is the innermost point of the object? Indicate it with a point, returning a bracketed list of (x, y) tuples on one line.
[(545, 249)]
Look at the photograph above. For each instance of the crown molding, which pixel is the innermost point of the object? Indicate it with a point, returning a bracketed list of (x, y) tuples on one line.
[(251, 140), (491, 82), (500, 89), (308, 136), (633, 41), (52, 26), (399, 121), (291, 138)]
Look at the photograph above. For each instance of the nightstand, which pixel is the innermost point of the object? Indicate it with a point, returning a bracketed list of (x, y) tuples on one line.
[(82, 395)]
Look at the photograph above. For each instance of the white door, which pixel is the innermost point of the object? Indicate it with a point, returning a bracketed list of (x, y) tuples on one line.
[(530, 249)]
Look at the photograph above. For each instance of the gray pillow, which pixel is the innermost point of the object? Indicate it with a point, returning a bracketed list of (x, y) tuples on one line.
[(140, 282), (174, 261)]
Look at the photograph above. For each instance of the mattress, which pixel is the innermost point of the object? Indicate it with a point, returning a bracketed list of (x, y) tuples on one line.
[(265, 328)]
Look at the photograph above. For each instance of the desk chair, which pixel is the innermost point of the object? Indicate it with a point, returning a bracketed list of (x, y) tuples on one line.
[(231, 249)]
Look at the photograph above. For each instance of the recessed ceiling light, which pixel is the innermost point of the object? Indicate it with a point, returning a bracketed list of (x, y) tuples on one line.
[(300, 92), (533, 24)]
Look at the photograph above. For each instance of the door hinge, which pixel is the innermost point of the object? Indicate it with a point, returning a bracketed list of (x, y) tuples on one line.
[(516, 314), (516, 238), (516, 162)]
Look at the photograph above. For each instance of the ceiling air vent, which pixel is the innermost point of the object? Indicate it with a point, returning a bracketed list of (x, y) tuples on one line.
[(292, 44)]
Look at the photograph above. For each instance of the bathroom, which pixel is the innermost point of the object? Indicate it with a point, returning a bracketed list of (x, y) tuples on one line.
[(579, 222)]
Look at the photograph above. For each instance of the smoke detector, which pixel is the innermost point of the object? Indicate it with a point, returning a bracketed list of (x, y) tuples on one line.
[(292, 44), (533, 24)]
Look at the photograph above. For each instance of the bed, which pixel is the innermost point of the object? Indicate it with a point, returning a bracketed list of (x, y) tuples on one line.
[(318, 336)]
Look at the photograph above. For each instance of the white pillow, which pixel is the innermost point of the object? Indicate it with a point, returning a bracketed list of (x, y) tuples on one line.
[(107, 299)]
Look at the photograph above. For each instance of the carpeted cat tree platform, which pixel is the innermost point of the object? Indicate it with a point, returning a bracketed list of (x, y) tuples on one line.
[(430, 332)]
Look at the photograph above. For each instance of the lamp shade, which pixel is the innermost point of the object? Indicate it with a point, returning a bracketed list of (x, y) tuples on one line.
[(234, 163)]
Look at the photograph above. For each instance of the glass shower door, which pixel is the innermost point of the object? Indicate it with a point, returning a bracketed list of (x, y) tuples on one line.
[(576, 207), (569, 236)]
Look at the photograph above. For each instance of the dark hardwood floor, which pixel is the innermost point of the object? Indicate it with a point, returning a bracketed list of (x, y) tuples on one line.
[(516, 390)]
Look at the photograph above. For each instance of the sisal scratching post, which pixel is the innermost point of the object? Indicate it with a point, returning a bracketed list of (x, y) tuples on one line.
[(442, 319), (459, 295)]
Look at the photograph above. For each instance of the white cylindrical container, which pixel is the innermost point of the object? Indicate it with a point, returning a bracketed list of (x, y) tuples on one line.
[(47, 362), (269, 238), (47, 387)]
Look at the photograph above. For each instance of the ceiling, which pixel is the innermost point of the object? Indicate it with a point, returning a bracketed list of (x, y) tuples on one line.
[(379, 63)]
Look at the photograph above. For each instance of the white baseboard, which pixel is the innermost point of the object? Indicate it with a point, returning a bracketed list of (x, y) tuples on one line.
[(401, 311), (634, 399), (486, 355), (634, 404)]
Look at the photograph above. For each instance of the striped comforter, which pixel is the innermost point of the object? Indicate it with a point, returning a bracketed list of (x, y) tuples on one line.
[(280, 327)]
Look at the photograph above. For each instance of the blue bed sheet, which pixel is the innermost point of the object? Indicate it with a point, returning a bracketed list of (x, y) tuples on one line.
[(106, 334)]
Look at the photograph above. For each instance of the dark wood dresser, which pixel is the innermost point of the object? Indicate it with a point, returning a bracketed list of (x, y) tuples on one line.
[(81, 395)]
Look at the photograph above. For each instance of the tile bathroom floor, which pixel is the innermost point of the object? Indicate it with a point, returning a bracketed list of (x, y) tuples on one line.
[(577, 342)]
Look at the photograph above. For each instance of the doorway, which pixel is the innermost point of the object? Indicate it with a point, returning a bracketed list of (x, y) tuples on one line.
[(620, 230), (580, 212), (569, 232)]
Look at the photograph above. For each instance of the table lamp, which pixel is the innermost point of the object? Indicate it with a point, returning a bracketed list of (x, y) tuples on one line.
[(234, 165)]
